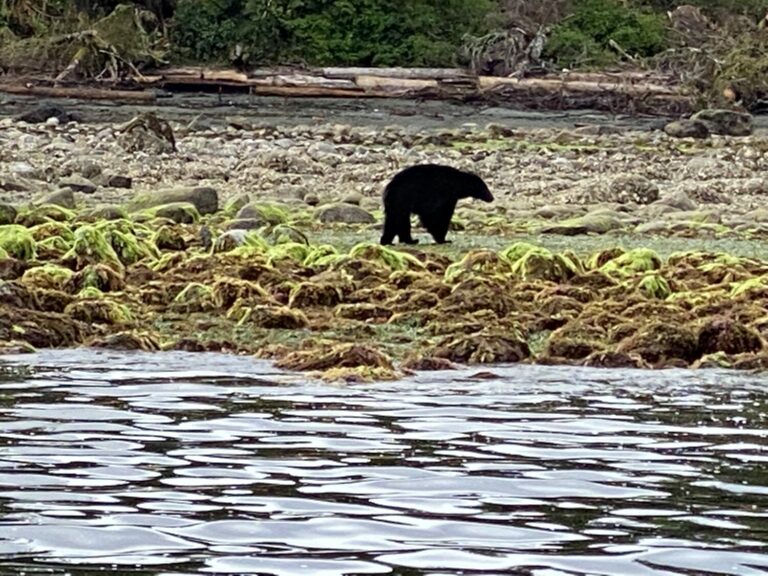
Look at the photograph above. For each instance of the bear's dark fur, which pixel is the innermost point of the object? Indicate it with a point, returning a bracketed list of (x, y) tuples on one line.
[(430, 191)]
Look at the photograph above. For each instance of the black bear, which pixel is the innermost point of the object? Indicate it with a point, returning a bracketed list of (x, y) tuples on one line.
[(431, 192)]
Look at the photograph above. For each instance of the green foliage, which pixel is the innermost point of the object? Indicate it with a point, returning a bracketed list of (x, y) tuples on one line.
[(584, 38), (359, 32)]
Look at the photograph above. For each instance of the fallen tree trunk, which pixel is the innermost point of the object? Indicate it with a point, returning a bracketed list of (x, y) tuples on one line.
[(81, 93)]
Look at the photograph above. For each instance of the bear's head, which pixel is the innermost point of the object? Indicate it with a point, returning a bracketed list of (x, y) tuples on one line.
[(476, 188)]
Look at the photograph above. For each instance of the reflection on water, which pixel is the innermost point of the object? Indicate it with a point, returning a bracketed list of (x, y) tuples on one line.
[(180, 464)]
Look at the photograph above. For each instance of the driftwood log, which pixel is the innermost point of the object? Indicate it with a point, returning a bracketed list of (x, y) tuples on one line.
[(76, 92)]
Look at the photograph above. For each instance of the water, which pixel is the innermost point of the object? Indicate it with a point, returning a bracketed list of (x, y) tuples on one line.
[(176, 464)]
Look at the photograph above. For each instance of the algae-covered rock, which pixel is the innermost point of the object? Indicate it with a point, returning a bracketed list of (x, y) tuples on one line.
[(7, 214), (614, 359), (11, 268), (226, 291), (723, 334), (50, 276), (427, 363), (363, 311), (654, 286), (64, 198), (103, 212), (686, 128), (44, 213), (632, 262), (725, 122), (99, 311), (393, 259), (169, 238), (203, 198), (18, 242), (91, 246), (41, 329), (263, 213), (484, 348), (343, 214), (632, 188), (129, 340), (593, 223), (339, 356), (194, 297), (178, 212), (660, 341), (274, 317), (309, 294), (101, 277), (537, 263), (478, 261)]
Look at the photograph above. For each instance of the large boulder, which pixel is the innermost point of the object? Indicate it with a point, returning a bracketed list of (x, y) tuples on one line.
[(725, 122), (687, 129), (204, 198), (344, 213)]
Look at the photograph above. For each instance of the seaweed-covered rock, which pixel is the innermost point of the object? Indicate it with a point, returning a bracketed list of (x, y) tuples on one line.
[(363, 311), (18, 242), (484, 348), (204, 198), (687, 128), (339, 356), (722, 334), (274, 317), (99, 311), (661, 341), (50, 276), (725, 122), (308, 294), (129, 340), (425, 363), (7, 214), (343, 213)]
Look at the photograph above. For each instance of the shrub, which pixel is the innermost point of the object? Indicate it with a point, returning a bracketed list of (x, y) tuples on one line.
[(584, 37)]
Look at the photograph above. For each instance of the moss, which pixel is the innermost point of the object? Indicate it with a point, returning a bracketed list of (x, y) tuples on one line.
[(50, 276), (18, 242), (271, 213), (540, 264), (49, 230)]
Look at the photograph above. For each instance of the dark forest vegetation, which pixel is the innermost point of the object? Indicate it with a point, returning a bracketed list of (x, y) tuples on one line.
[(717, 47)]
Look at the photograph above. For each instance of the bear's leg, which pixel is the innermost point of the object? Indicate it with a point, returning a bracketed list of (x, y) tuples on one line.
[(397, 223), (438, 222), (388, 235)]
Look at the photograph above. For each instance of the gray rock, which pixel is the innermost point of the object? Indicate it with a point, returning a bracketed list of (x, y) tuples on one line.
[(687, 129), (265, 214), (41, 113), (234, 205), (598, 222), (725, 122), (179, 212), (103, 212), (118, 181), (632, 188), (205, 199), (12, 183), (557, 212), (353, 199), (230, 240), (245, 224), (24, 169), (64, 198), (311, 199), (678, 200), (78, 184), (7, 214), (344, 213)]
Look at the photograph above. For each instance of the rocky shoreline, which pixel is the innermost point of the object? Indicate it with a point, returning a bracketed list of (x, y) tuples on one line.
[(262, 239)]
